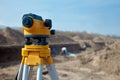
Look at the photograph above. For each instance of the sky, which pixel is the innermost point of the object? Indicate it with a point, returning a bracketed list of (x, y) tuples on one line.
[(92, 16)]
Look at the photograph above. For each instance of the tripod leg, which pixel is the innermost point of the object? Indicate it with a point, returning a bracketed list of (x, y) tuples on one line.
[(25, 72), (19, 75), (30, 72), (39, 73), (52, 72)]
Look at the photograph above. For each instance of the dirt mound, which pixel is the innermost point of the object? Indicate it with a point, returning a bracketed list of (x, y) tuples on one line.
[(11, 36), (110, 58), (55, 39), (2, 39), (107, 59)]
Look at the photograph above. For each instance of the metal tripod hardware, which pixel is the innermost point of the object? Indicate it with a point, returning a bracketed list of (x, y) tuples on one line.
[(36, 53)]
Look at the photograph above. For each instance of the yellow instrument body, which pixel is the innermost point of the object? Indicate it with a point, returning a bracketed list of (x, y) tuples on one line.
[(36, 55), (38, 28)]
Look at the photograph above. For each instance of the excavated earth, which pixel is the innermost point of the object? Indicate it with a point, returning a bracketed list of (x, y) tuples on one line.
[(98, 62), (90, 64)]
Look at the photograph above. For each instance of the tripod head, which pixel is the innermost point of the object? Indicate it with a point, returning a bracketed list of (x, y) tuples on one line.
[(35, 28)]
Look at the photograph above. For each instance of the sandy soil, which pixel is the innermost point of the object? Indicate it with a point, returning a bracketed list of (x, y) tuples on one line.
[(89, 65), (67, 70)]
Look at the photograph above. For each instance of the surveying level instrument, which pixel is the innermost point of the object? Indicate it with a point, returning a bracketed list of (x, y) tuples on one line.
[(36, 51)]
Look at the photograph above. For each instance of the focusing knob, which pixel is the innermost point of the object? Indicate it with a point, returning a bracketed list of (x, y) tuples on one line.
[(48, 23), (52, 32), (27, 22)]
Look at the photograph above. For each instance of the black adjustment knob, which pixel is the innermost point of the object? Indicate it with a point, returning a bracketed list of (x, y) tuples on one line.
[(52, 32), (27, 22), (48, 23)]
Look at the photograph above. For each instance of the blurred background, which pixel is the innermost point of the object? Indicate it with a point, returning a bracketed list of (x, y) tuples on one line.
[(89, 29)]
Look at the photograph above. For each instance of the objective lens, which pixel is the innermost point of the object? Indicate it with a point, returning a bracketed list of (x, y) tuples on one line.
[(27, 22)]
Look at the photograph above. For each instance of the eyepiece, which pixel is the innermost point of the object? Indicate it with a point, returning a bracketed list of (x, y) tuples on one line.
[(48, 23), (27, 22)]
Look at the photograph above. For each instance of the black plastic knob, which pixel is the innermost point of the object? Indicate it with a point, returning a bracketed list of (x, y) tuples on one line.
[(52, 32), (48, 23)]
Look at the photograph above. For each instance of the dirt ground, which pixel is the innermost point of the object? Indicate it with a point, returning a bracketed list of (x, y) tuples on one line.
[(90, 64), (67, 70)]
